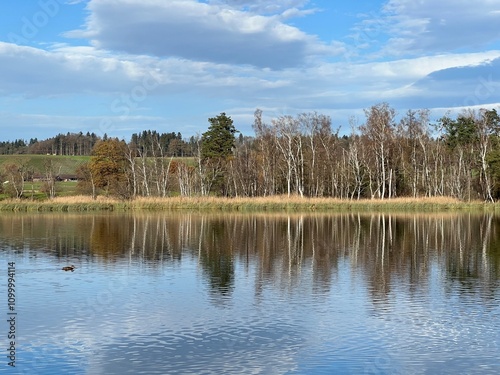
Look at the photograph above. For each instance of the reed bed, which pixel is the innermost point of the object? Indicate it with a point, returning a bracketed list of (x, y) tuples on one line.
[(60, 204), (265, 204)]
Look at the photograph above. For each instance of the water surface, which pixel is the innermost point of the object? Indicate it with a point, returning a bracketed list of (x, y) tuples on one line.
[(171, 293)]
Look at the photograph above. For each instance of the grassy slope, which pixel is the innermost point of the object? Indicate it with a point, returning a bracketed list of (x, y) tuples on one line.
[(62, 164), (68, 164)]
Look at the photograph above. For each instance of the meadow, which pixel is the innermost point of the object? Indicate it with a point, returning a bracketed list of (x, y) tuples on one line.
[(63, 164)]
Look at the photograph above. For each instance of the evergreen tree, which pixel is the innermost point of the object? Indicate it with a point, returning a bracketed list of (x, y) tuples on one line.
[(219, 140), (216, 150)]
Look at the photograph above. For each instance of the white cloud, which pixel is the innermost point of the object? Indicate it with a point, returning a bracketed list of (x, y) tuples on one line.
[(64, 70), (462, 86), (33, 72), (67, 70), (238, 55), (440, 26), (203, 32), (263, 6)]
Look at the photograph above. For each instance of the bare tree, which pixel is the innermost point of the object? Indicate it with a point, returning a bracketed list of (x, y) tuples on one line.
[(266, 156), (187, 178), (318, 130), (144, 172), (379, 129), (413, 134), (161, 167), (51, 173), (16, 173), (289, 142), (131, 156)]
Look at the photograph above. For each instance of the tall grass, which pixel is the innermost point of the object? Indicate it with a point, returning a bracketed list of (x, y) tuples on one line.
[(266, 204), (72, 203), (294, 203)]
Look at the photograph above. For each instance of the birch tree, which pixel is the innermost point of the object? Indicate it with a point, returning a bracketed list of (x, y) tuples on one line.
[(379, 129), (488, 126)]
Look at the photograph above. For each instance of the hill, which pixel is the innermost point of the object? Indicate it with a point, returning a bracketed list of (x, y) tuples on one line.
[(62, 164)]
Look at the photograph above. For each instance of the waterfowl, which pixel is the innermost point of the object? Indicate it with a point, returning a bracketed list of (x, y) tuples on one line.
[(69, 268)]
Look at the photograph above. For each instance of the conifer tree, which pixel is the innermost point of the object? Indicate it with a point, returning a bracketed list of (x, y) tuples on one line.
[(216, 152), (219, 140)]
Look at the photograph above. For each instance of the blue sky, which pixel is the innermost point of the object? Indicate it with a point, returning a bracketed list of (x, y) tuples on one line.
[(123, 66)]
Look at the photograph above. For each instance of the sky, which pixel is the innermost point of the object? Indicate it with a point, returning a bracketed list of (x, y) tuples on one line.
[(123, 66)]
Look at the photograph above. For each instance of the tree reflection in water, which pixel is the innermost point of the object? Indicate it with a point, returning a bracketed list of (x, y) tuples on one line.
[(282, 248)]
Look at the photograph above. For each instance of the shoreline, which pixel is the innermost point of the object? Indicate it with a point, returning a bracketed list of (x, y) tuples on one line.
[(257, 204)]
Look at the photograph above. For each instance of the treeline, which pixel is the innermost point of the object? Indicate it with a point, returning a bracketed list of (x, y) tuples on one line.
[(301, 155), (381, 158), (82, 144), (151, 143), (62, 144)]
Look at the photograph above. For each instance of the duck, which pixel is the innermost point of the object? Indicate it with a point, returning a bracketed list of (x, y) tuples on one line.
[(69, 268)]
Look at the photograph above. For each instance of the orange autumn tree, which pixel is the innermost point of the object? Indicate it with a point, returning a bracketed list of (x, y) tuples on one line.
[(108, 167)]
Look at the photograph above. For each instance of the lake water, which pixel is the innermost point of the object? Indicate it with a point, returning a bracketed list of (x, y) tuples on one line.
[(191, 293)]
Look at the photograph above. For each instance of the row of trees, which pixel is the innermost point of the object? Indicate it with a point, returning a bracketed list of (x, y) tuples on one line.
[(12, 147), (301, 155), (82, 144), (61, 144), (381, 158), (146, 166), (152, 143), (298, 155)]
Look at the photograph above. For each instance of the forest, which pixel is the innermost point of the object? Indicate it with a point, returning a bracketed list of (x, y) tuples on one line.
[(79, 144), (298, 155)]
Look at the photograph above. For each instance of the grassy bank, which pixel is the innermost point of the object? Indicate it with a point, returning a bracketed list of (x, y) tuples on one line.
[(62, 164), (270, 204)]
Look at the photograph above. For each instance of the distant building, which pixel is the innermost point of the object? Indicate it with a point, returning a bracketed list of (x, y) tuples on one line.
[(67, 177), (37, 177)]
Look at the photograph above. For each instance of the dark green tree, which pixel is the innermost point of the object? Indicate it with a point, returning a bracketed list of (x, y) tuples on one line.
[(219, 140), (217, 258), (459, 132), (215, 153)]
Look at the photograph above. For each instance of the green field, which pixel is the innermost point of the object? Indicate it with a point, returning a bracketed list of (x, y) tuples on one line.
[(36, 164), (61, 164)]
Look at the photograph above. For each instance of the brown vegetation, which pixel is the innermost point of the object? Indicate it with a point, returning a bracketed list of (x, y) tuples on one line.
[(244, 204)]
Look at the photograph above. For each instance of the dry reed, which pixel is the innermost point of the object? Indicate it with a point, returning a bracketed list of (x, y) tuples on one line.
[(244, 204)]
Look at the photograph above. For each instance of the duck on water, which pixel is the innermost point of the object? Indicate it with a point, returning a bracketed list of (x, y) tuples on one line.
[(69, 268)]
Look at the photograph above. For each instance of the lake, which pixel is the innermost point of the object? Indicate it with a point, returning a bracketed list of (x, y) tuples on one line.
[(194, 293)]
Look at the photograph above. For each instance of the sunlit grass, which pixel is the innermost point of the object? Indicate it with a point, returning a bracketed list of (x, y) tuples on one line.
[(72, 203), (244, 204), (61, 163)]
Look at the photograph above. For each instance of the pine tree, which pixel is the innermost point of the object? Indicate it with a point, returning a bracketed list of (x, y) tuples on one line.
[(216, 151), (218, 141)]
